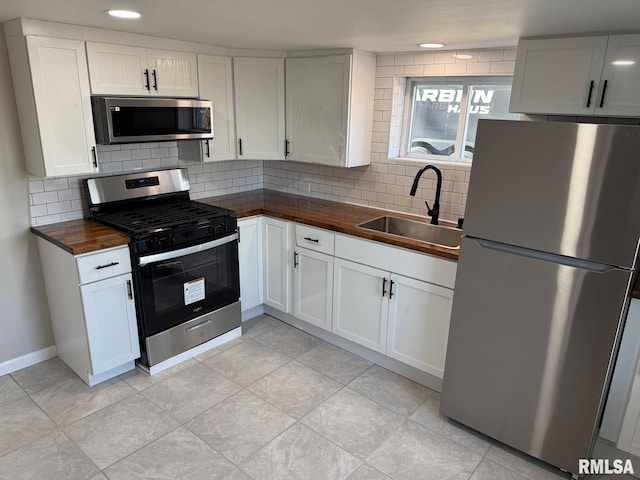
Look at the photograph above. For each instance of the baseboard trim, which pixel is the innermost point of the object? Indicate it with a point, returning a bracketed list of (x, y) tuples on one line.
[(252, 312), (27, 360)]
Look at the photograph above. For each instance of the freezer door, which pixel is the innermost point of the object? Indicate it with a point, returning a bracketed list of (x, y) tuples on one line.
[(529, 350), (566, 188)]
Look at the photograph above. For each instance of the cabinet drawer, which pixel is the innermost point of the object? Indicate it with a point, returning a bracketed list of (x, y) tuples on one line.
[(315, 239), (103, 264)]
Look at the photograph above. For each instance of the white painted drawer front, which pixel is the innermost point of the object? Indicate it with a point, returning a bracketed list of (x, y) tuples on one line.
[(315, 239), (104, 264), (420, 266)]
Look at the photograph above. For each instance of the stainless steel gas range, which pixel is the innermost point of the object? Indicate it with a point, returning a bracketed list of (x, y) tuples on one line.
[(184, 256)]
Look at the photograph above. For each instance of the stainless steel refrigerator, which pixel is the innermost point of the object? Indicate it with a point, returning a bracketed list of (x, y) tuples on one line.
[(543, 284)]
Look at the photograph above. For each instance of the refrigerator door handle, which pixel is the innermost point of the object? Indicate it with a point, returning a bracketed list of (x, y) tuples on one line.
[(547, 257)]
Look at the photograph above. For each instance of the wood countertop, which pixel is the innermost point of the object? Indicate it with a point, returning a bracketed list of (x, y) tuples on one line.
[(81, 236), (84, 236), (335, 216)]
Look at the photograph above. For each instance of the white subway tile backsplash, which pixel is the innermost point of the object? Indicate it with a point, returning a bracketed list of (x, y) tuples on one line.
[(455, 69), (44, 197), (424, 58), (491, 56), (445, 57), (403, 59)]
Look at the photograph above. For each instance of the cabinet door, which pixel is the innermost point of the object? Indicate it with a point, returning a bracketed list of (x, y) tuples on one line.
[(250, 258), (317, 100), (63, 108), (360, 306), (118, 69), (558, 76), (110, 318), (313, 287), (216, 84), (419, 315), (621, 72), (173, 74), (275, 252), (259, 101)]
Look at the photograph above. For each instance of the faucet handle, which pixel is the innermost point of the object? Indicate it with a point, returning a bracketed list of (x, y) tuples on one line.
[(430, 211)]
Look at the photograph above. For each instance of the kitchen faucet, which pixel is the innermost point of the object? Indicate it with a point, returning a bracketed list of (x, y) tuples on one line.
[(434, 212)]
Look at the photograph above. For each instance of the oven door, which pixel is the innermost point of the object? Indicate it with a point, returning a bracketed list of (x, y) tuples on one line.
[(185, 283)]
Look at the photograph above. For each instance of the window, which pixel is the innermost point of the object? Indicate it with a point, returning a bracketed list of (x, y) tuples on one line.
[(444, 114)]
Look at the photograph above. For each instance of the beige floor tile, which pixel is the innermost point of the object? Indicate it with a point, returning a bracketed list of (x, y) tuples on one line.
[(282, 337), (178, 455), (300, 454), (414, 451), (353, 422), (240, 426), (9, 390), (295, 389), (393, 391), (22, 422), (53, 457), (190, 392), (120, 429), (334, 362), (488, 470), (42, 375), (367, 472), (219, 349), (73, 399), (247, 362), (429, 416), (141, 380), (523, 464)]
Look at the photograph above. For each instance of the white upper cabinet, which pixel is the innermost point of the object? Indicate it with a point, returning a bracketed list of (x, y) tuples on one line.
[(621, 73), (259, 102), (125, 70), (578, 76), (215, 81), (558, 76), (51, 85), (330, 109)]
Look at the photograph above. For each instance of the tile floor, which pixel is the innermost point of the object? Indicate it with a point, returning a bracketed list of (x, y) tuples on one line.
[(276, 403)]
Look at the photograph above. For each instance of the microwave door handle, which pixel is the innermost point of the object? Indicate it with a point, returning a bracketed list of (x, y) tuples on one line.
[(158, 257)]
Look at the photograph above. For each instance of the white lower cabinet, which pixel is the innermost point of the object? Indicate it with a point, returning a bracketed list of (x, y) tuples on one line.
[(110, 317), (418, 325), (250, 259), (313, 287), (276, 243), (360, 307), (92, 309)]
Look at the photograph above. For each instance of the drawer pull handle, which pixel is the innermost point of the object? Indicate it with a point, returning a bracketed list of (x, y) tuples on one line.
[(112, 264), (309, 239), (197, 326)]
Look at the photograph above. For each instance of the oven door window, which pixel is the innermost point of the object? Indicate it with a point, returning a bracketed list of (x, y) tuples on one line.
[(178, 287)]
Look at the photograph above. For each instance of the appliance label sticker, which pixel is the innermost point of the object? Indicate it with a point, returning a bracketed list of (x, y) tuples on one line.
[(194, 291)]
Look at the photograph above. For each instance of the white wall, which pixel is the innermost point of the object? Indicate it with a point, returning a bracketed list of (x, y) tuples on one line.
[(24, 317)]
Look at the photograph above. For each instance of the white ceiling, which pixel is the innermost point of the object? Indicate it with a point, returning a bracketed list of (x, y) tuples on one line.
[(375, 25)]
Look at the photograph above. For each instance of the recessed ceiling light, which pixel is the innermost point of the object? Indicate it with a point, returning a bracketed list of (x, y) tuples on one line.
[(123, 13), (431, 45)]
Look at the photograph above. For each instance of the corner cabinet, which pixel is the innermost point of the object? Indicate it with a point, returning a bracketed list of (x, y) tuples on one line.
[(259, 108), (51, 85), (125, 70), (215, 82), (92, 310), (330, 109), (578, 76)]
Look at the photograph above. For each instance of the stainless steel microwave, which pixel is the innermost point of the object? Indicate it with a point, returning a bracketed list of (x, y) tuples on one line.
[(136, 120)]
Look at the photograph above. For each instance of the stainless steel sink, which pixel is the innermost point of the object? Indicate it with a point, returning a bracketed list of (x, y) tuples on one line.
[(424, 232)]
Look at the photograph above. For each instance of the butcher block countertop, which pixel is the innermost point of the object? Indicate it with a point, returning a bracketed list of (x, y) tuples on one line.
[(339, 217), (81, 236), (84, 236)]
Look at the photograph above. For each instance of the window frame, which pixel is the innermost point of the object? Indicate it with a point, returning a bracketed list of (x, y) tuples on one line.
[(466, 81)]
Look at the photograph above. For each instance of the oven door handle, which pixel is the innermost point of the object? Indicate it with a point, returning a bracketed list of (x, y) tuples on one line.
[(158, 257)]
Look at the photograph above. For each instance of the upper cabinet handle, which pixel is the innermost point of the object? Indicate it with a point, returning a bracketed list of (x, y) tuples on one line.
[(590, 93), (146, 75), (155, 80), (240, 147), (95, 156), (604, 90)]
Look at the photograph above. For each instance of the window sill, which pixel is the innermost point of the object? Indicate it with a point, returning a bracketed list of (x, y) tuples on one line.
[(462, 165)]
